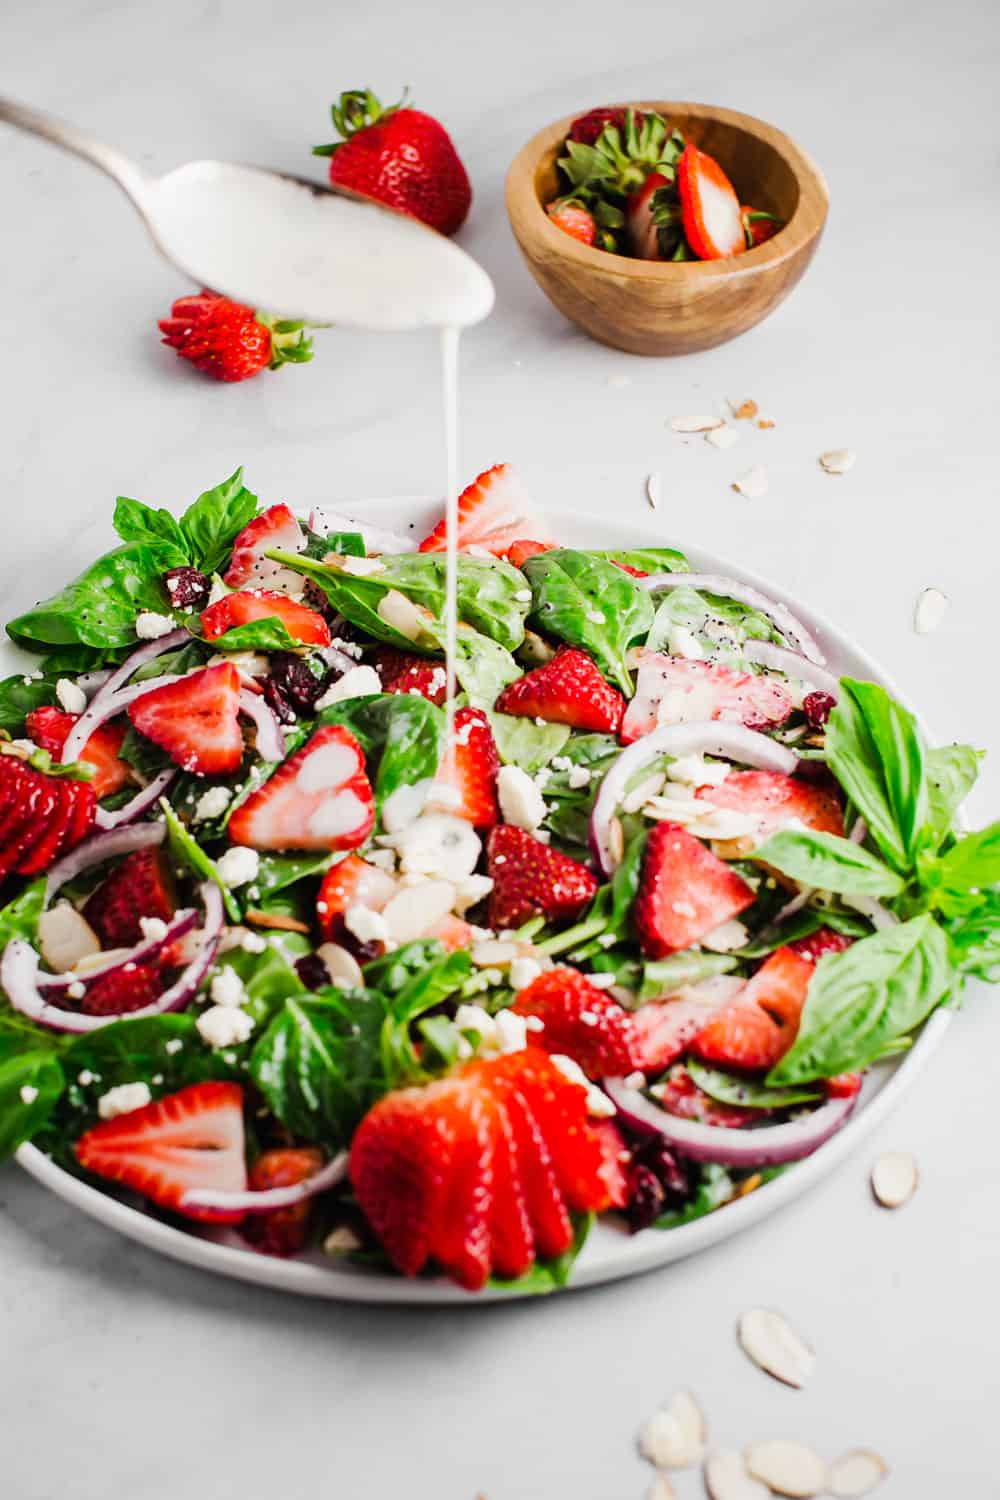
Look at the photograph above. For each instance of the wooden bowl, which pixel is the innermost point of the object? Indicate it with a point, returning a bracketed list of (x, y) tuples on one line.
[(675, 307)]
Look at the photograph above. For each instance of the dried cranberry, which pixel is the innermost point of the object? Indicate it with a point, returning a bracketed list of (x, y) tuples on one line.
[(295, 680), (817, 708), (647, 1198), (277, 702), (187, 587), (658, 1157), (313, 971)]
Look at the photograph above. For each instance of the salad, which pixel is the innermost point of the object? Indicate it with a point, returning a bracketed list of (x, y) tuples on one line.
[(278, 954)]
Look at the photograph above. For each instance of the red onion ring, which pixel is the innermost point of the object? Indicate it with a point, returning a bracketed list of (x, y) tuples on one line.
[(375, 538), (767, 654), (140, 803), (104, 706), (180, 924), (99, 847), (270, 736), (266, 1200), (769, 1145), (878, 915), (89, 682), (712, 737), (859, 832), (148, 651), (19, 978), (781, 617)]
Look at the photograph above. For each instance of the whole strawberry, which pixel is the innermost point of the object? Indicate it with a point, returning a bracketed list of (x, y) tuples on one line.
[(230, 341), (400, 156), (586, 128)]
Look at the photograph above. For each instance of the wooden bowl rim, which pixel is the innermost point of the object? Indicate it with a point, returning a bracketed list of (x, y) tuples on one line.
[(529, 219)]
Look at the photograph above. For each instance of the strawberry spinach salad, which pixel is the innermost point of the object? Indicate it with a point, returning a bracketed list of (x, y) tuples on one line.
[(278, 955)]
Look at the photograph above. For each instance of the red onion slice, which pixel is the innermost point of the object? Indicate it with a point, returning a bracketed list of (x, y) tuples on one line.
[(19, 977), (140, 803), (711, 737), (767, 1146), (270, 736), (180, 924), (878, 915), (148, 651), (767, 654), (266, 1200), (781, 617), (104, 706), (99, 847), (89, 682), (375, 538)]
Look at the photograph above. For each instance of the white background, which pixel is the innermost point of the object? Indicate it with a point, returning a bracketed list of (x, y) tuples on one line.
[(126, 1375)]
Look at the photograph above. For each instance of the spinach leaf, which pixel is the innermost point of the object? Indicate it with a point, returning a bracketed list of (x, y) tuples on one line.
[(186, 850), (591, 604), (212, 523), (99, 607), (31, 1082), (318, 1063), (867, 997), (951, 774), (269, 978), (744, 1092), (393, 971), (135, 522), (522, 742), (266, 634), (420, 994), (482, 666), (19, 918), (356, 598), (720, 625), (828, 863), (875, 751), (345, 543), (647, 559), (146, 757), (402, 737), (280, 870), (20, 694)]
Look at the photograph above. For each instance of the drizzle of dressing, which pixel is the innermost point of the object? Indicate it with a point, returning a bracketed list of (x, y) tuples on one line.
[(449, 383)]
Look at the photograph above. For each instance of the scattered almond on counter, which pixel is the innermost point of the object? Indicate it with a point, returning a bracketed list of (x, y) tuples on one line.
[(722, 437), (930, 610), (895, 1178), (856, 1474), (695, 424), (653, 490), (744, 411), (837, 461), (752, 484), (726, 1478), (774, 1346), (674, 1437), (765, 424), (788, 1468)]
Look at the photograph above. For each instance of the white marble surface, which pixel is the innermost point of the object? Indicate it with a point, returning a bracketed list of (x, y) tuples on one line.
[(126, 1375)]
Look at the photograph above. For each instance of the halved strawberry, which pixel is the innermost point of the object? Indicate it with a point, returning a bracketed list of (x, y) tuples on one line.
[(275, 529), (574, 219), (241, 608), (123, 990), (663, 1029), (41, 801), (684, 892), (184, 1141), (49, 728), (643, 233), (471, 769), (674, 690), (777, 801), (544, 1205), (580, 1021), (818, 944), (320, 798), (529, 878), (283, 1231), (614, 1162), (56, 834), (195, 720), (493, 512), (404, 673), (759, 1026), (350, 882), (758, 225), (679, 1095), (518, 552), (569, 689), (141, 886), (710, 209)]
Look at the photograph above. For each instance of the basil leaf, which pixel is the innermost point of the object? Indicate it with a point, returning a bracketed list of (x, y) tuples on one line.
[(186, 850), (38, 1073), (135, 522), (401, 734), (867, 997), (100, 606), (975, 940), (951, 774), (828, 863), (592, 604), (972, 862), (19, 696), (267, 634), (212, 523), (522, 742), (874, 749), (318, 1063), (744, 1092)]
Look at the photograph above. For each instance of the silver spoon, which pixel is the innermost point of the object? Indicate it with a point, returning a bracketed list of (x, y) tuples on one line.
[(293, 247)]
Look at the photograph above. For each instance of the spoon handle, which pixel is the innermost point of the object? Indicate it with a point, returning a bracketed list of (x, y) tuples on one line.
[(127, 173)]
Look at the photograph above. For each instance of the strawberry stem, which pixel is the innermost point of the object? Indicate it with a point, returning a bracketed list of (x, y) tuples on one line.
[(290, 345), (356, 110)]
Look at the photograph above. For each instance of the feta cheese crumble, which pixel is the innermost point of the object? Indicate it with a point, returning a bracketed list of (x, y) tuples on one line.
[(123, 1100), (599, 1106), (71, 698), (212, 804), (149, 626), (238, 866), (153, 928), (521, 803), (227, 988), (359, 682), (28, 1093), (224, 1025)]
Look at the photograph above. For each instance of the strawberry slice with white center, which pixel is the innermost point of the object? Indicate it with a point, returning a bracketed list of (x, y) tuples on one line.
[(643, 234), (195, 720), (494, 511), (320, 798), (685, 892), (470, 772), (674, 690), (275, 529), (189, 1140), (777, 801), (244, 607), (710, 209)]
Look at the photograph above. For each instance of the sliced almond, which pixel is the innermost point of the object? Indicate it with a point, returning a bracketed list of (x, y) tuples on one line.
[(274, 920), (837, 460), (895, 1178), (653, 489), (65, 938), (788, 1468), (856, 1473), (674, 1438), (416, 909), (765, 424), (694, 424), (493, 953), (930, 610), (402, 614), (616, 841), (752, 484), (342, 967), (726, 1478), (775, 1347), (722, 437), (744, 410)]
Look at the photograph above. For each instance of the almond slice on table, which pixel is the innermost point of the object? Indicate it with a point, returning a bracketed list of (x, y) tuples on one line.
[(775, 1347), (674, 1437), (837, 460), (895, 1178), (929, 611), (722, 437), (752, 484), (694, 424), (726, 1478), (857, 1473), (653, 490), (744, 410), (788, 1468)]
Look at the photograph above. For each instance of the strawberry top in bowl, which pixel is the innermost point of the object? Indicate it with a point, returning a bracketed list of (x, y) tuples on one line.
[(664, 228)]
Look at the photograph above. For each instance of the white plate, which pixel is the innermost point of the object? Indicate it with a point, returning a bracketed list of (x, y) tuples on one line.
[(610, 1252)]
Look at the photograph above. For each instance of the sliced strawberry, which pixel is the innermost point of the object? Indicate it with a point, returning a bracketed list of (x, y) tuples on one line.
[(273, 530), (195, 720), (628, 568), (674, 690), (512, 1238), (242, 608), (494, 511), (758, 226), (663, 1029), (461, 1236), (580, 1021), (518, 552), (471, 770), (679, 1095), (285, 1230), (123, 990), (843, 1085), (404, 673), (569, 689), (530, 878), (55, 834), (320, 798), (49, 728), (350, 882), (42, 800), (710, 209), (141, 886), (614, 1162), (643, 232), (573, 219), (777, 801), (551, 1226), (818, 944), (84, 813), (188, 1140), (759, 1026), (685, 892)]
